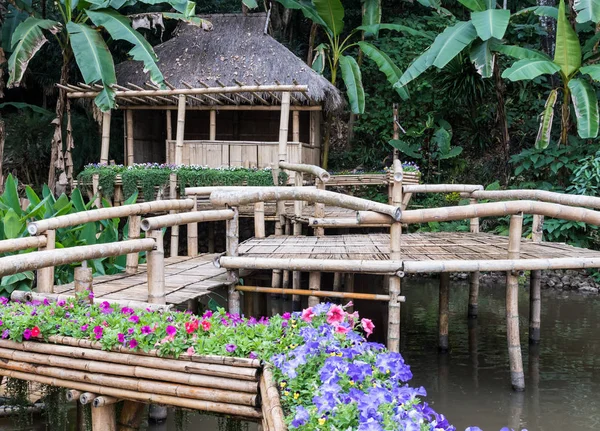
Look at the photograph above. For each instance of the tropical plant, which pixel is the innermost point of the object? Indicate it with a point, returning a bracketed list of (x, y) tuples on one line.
[(568, 62)]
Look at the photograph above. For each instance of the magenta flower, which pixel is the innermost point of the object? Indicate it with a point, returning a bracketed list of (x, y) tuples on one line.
[(146, 330), (207, 314), (130, 331), (335, 314), (60, 302), (253, 355), (121, 338), (3, 300), (286, 316), (127, 310), (134, 318), (27, 334), (5, 333), (171, 330), (1, 323), (307, 314), (98, 330), (230, 348), (367, 325), (133, 343), (84, 327)]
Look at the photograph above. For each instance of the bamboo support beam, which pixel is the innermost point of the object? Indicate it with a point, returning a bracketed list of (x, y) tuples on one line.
[(320, 293), (394, 287), (156, 269), (212, 135), (174, 251), (517, 377), (232, 241), (104, 418), (51, 258), (259, 220), (265, 194), (441, 188), (45, 274), (192, 231), (539, 195), (159, 222), (105, 141), (86, 398), (133, 232), (96, 190), (444, 311), (535, 290), (415, 267), (316, 171), (73, 395), (104, 401), (17, 244), (38, 227), (180, 130), (147, 397), (208, 190), (130, 138), (472, 309), (340, 223)]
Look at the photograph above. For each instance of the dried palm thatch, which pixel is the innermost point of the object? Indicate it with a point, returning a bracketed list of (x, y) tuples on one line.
[(235, 52)]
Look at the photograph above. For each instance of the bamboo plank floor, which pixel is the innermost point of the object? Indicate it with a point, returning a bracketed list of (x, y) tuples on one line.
[(415, 247), (185, 278)]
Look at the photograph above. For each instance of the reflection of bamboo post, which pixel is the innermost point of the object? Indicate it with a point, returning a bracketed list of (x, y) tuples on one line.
[(232, 232), (175, 228), (535, 294), (395, 254), (473, 352), (473, 276), (192, 229), (133, 233), (131, 415), (45, 276), (512, 306), (105, 137), (444, 309), (156, 269), (130, 150), (180, 130), (83, 282)]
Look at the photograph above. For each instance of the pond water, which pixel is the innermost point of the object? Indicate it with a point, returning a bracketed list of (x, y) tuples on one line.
[(471, 383)]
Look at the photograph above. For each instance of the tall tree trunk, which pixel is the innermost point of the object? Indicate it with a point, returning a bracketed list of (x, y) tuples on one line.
[(565, 113), (56, 147), (501, 120)]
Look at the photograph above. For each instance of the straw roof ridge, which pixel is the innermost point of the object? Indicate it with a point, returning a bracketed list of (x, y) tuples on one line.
[(237, 49)]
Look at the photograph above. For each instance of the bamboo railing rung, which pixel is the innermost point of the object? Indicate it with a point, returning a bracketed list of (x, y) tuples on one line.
[(17, 244), (539, 195), (413, 267), (441, 188), (318, 293), (159, 222)]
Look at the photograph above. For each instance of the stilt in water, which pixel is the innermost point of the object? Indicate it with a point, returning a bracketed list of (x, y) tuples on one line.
[(474, 276), (444, 310), (535, 294)]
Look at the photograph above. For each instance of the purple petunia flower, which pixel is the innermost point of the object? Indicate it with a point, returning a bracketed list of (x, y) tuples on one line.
[(98, 330), (121, 338), (130, 331), (146, 329), (133, 343), (60, 302), (84, 327), (253, 355), (134, 318), (171, 330), (27, 334), (301, 417), (5, 333), (3, 300), (286, 316), (230, 348)]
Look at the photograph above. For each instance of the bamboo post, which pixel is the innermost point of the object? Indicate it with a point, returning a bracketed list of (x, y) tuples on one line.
[(192, 233), (135, 222), (213, 125), (337, 281), (156, 269), (232, 232), (181, 104), (86, 397), (169, 136), (104, 400), (395, 254), (535, 294), (259, 220), (131, 415), (130, 141), (45, 276), (96, 190), (512, 306), (105, 137), (473, 276), (284, 121), (396, 128), (83, 282), (104, 418), (444, 311), (174, 228)]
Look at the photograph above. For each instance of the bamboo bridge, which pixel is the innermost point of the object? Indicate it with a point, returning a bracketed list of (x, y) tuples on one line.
[(299, 246)]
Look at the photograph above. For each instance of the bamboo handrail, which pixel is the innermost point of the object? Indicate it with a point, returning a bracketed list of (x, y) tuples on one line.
[(207, 190), (168, 220), (539, 195), (236, 198), (441, 188), (318, 293), (74, 219), (311, 265), (17, 244), (412, 267), (51, 258), (316, 171)]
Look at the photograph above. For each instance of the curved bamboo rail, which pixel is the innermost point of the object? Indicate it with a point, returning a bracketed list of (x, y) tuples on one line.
[(264, 194), (316, 171), (207, 190), (74, 219), (168, 220), (539, 195)]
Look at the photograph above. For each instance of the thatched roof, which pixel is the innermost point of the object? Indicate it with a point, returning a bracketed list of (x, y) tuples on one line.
[(236, 51)]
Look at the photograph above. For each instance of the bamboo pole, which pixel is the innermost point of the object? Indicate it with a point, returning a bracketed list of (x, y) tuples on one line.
[(104, 401), (314, 286), (284, 122), (156, 269), (212, 136), (192, 230), (259, 220), (296, 126), (444, 311), (17, 244), (105, 142), (96, 191), (86, 398), (539, 195), (133, 233), (512, 306), (130, 141), (271, 395), (320, 293), (535, 293), (235, 198), (73, 395), (180, 130), (337, 282), (341, 223), (131, 416), (207, 190), (441, 188), (104, 418), (159, 222), (319, 207), (186, 370), (45, 274), (395, 254), (316, 171), (297, 275), (472, 309), (6, 410), (232, 232), (82, 281), (130, 384), (51, 258), (39, 227), (174, 251)]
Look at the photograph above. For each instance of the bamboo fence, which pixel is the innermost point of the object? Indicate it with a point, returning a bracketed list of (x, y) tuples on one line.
[(316, 171), (169, 220), (538, 195), (17, 244)]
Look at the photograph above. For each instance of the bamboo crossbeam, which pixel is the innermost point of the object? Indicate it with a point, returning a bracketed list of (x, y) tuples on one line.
[(73, 395), (316, 171), (539, 195), (74, 219), (14, 410), (207, 190), (343, 222), (17, 244), (312, 265), (318, 293), (441, 188), (96, 374), (104, 401), (125, 94), (87, 398), (235, 198), (51, 258), (412, 267), (184, 218), (230, 409)]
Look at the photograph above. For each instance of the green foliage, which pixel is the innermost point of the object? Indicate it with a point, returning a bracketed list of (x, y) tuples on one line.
[(55, 402), (586, 176), (17, 393)]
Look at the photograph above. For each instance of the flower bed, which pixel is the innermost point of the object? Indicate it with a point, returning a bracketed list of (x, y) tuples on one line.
[(330, 376)]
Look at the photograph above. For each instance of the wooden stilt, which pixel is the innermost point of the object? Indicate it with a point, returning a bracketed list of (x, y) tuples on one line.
[(131, 416), (45, 276), (156, 269), (232, 231), (130, 137), (296, 284), (337, 282), (394, 280), (535, 292), (213, 125), (181, 105), (82, 281), (512, 306), (134, 229), (444, 310), (192, 233), (259, 220), (168, 157), (473, 276), (105, 141), (314, 283), (104, 418), (174, 229)]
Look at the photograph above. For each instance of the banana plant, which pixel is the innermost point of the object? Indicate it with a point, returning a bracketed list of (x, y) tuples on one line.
[(568, 63)]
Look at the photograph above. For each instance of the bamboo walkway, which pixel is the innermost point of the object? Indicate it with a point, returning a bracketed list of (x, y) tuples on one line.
[(185, 278), (417, 247)]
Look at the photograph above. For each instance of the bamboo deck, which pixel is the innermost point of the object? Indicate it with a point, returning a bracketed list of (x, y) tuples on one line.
[(185, 278), (416, 247)]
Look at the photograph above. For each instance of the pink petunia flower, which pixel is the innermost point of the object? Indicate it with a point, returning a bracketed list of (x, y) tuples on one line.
[(335, 314), (341, 329), (190, 351), (307, 314), (205, 325), (367, 325)]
